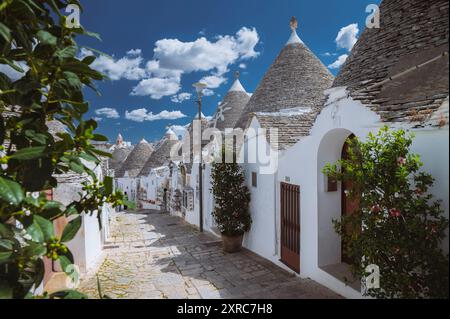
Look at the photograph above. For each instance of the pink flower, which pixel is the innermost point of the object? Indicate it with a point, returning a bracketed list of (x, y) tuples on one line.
[(433, 229), (419, 191), (376, 209), (401, 161), (394, 212)]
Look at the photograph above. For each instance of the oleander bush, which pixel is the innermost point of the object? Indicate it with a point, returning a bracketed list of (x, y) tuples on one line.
[(399, 226)]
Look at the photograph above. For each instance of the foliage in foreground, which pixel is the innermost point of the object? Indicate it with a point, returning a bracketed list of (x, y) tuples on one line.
[(36, 42), (399, 225)]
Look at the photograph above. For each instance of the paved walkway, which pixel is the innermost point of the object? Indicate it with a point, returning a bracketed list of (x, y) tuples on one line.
[(153, 255)]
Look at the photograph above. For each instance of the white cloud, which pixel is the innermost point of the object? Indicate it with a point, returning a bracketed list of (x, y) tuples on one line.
[(141, 115), (347, 37), (98, 119), (108, 112), (328, 54), (134, 52), (213, 81), (243, 66), (204, 55), (157, 88), (208, 92), (179, 130), (129, 67), (173, 58), (339, 62), (180, 98)]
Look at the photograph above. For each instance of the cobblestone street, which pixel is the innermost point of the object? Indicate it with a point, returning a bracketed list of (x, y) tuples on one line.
[(153, 255)]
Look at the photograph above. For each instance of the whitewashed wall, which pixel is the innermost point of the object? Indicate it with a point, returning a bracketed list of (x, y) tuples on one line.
[(262, 237), (303, 165)]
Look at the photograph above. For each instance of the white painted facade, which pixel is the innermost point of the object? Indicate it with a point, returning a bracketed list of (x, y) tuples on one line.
[(157, 179), (87, 245), (302, 165)]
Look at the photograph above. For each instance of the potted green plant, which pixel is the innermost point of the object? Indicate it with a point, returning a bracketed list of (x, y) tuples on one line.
[(232, 199)]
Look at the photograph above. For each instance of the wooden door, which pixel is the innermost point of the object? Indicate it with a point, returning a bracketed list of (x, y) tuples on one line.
[(290, 226)]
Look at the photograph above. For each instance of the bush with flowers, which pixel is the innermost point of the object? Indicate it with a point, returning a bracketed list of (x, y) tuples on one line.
[(399, 226)]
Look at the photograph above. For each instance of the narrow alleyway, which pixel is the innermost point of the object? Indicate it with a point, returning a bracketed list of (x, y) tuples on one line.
[(153, 255)]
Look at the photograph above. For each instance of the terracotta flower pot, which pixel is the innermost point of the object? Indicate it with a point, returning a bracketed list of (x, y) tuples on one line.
[(232, 244)]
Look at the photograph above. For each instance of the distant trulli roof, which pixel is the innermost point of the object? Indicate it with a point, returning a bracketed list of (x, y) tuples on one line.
[(231, 108), (136, 160), (297, 78), (162, 154), (401, 70), (119, 156)]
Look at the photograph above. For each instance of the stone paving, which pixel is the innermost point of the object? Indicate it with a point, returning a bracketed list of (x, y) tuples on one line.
[(155, 256)]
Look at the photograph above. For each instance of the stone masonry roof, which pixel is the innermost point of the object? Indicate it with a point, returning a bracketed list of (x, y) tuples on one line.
[(161, 156), (231, 108), (412, 33), (136, 160), (297, 78)]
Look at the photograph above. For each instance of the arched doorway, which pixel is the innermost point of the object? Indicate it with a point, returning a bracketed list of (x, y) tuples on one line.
[(329, 199), (348, 206)]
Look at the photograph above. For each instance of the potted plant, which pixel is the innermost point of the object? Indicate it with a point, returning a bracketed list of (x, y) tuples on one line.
[(232, 198)]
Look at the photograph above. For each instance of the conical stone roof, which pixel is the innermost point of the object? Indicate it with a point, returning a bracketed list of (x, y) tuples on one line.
[(162, 154), (231, 108), (119, 155), (136, 160), (297, 78), (382, 70)]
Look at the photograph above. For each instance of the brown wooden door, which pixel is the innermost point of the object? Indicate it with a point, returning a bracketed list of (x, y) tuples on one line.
[(349, 206), (290, 226)]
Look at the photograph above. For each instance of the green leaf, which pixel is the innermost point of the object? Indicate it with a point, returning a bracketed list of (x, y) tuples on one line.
[(2, 130), (5, 232), (71, 229), (10, 191), (65, 262), (89, 157), (67, 52), (6, 244), (89, 59), (11, 64), (77, 167), (34, 250), (68, 294), (46, 38), (4, 257), (108, 181), (5, 32), (6, 291), (41, 229), (100, 138), (29, 153)]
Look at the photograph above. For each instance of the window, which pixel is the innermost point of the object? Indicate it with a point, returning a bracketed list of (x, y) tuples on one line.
[(254, 179), (331, 184)]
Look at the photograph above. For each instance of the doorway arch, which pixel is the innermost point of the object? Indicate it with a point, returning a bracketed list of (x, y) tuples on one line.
[(329, 205)]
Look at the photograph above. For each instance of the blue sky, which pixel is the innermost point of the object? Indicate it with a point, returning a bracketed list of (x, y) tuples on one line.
[(148, 90)]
